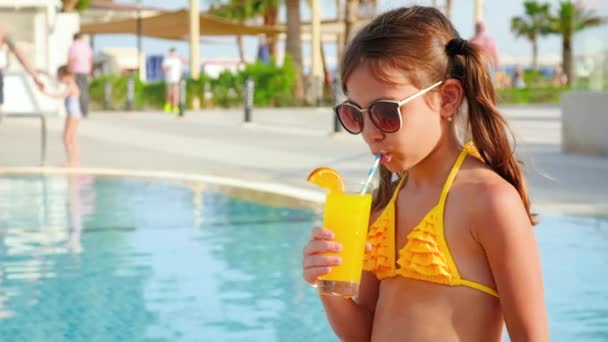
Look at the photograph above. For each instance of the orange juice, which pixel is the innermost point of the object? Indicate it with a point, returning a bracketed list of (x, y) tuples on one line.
[(347, 215)]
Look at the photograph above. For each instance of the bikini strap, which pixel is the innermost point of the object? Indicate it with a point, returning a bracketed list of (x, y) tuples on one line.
[(448, 183), (477, 286)]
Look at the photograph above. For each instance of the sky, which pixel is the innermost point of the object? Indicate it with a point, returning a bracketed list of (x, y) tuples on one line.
[(497, 14)]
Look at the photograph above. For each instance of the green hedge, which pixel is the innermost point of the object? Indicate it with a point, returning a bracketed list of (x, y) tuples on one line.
[(119, 92), (583, 83), (549, 95), (273, 87)]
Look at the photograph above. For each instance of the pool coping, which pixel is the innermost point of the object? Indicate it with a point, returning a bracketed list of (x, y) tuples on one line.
[(310, 198)]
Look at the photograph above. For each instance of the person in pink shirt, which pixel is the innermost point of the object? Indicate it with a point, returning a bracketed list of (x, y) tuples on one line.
[(80, 61), (483, 39)]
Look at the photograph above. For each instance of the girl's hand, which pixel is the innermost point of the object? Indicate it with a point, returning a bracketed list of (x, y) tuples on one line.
[(314, 263), (39, 83)]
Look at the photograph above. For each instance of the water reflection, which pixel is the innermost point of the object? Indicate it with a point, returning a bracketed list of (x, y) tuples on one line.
[(574, 252), (124, 259), (118, 259), (56, 282), (75, 209), (260, 287), (197, 189)]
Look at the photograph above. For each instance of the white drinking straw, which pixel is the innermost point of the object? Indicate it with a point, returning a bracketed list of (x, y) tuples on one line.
[(371, 173)]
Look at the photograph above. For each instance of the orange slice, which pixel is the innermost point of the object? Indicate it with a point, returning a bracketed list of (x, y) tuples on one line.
[(327, 178)]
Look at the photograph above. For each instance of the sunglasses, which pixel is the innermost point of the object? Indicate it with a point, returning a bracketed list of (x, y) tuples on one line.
[(384, 114)]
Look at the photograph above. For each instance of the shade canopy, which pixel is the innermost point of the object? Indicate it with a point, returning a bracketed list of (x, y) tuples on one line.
[(175, 25)]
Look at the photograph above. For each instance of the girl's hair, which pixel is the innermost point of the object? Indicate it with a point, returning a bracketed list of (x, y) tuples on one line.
[(415, 40), (64, 70)]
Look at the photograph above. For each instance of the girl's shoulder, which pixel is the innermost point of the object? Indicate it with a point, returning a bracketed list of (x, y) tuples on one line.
[(478, 178), (487, 195)]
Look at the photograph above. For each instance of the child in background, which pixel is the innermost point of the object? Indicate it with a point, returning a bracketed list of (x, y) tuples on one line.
[(451, 253), (71, 96), (518, 78)]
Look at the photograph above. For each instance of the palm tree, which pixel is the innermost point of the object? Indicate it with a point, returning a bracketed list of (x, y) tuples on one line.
[(533, 24), (569, 19), (236, 12), (350, 18), (293, 44), (71, 5), (245, 9), (448, 8), (68, 5), (268, 9)]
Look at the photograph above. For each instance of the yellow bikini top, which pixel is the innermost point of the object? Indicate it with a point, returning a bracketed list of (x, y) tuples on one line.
[(426, 255)]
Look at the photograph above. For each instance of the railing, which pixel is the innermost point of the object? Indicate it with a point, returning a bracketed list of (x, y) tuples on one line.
[(42, 130), (20, 83)]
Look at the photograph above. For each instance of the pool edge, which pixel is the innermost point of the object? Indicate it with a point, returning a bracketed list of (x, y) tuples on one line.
[(312, 198)]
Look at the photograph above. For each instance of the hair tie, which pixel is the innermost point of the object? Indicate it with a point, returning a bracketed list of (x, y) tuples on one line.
[(456, 46)]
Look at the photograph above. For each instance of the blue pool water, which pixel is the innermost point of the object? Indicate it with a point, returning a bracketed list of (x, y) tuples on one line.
[(108, 259)]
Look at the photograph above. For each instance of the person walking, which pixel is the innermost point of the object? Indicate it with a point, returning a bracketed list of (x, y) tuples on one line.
[(80, 61), (172, 67), (487, 44)]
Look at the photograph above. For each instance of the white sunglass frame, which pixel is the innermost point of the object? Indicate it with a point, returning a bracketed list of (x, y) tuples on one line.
[(398, 103)]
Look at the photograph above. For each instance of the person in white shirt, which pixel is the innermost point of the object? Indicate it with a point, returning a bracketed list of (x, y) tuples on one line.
[(172, 67)]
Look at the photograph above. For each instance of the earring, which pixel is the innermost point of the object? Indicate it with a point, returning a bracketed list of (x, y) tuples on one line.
[(449, 118)]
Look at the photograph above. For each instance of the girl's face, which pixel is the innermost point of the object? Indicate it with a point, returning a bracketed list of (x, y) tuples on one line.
[(422, 122)]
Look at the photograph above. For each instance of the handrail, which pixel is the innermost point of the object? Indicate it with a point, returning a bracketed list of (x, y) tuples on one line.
[(43, 131), (36, 111)]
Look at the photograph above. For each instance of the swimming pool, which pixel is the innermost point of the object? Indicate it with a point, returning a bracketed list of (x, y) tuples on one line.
[(129, 259)]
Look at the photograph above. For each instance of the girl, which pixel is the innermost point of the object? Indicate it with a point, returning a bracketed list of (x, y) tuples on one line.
[(451, 253), (71, 96)]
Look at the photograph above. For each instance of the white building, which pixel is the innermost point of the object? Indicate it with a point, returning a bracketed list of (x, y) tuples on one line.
[(39, 29), (584, 120), (44, 35)]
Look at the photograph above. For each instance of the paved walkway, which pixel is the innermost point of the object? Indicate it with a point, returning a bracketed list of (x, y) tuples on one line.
[(283, 145)]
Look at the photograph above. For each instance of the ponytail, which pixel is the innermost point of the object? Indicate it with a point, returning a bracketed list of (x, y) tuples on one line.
[(488, 127), (413, 40), (384, 192)]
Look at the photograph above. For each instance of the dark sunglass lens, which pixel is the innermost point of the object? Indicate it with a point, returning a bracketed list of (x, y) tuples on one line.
[(351, 118), (385, 116)]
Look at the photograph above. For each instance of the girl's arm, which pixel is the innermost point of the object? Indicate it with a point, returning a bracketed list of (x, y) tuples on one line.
[(61, 95), (23, 60), (503, 228), (55, 95), (352, 320)]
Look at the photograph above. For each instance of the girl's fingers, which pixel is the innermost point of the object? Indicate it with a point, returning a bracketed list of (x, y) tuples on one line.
[(311, 274), (368, 247), (321, 246), (320, 261), (320, 233), (314, 262)]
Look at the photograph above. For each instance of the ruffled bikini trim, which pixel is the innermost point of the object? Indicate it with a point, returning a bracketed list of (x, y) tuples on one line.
[(423, 257), (379, 260)]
